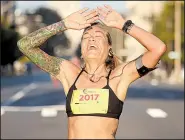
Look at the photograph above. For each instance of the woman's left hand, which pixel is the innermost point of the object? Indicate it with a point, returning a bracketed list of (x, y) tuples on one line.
[(110, 17)]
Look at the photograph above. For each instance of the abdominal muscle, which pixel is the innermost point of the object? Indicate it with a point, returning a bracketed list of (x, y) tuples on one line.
[(81, 127)]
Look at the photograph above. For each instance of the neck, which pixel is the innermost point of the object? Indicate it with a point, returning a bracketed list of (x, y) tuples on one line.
[(92, 67)]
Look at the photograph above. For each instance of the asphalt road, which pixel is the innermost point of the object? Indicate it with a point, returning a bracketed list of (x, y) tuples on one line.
[(38, 111)]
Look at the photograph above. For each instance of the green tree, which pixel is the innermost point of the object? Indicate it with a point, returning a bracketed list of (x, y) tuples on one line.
[(163, 27)]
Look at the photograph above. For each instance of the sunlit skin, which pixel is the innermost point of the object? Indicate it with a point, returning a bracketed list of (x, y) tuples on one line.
[(95, 56), (81, 127), (95, 36), (29, 46)]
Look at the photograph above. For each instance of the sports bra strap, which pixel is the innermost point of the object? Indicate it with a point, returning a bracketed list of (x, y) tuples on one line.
[(78, 75), (108, 77)]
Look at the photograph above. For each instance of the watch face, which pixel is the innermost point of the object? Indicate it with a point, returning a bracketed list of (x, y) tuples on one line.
[(143, 70), (129, 22)]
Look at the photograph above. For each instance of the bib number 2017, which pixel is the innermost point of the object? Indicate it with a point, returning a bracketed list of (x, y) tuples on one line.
[(88, 97)]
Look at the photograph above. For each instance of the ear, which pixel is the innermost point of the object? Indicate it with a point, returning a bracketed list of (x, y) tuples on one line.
[(111, 52), (110, 47)]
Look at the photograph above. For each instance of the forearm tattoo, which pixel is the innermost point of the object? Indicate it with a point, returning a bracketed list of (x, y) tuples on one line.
[(29, 47)]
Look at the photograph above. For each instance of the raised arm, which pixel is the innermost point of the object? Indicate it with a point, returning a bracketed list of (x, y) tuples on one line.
[(155, 47), (29, 45)]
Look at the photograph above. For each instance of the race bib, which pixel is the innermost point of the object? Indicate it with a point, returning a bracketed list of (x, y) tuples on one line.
[(87, 101)]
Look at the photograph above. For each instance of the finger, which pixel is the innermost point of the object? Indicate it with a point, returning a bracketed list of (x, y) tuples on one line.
[(103, 21), (103, 9), (92, 19), (102, 12), (91, 15), (82, 26), (83, 10), (101, 18), (108, 7), (88, 13)]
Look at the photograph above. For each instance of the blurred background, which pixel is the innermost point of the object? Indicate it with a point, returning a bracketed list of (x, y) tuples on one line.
[(33, 102)]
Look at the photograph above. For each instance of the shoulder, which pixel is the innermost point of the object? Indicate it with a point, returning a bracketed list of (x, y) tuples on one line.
[(69, 67), (124, 72), (68, 75), (120, 69), (70, 70)]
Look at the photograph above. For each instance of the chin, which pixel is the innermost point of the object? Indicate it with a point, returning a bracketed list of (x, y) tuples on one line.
[(92, 56)]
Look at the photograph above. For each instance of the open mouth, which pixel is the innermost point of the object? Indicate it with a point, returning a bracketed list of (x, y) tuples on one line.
[(92, 47)]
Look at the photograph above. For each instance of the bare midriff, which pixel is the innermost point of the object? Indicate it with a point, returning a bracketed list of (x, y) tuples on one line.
[(92, 127)]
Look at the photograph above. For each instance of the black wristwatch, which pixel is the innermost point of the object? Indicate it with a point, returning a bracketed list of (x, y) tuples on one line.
[(127, 26)]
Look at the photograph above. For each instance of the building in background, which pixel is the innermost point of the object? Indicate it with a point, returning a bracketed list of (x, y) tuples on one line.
[(140, 12), (7, 13), (65, 8)]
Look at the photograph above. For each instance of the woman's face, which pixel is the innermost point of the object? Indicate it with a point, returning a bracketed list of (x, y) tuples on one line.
[(95, 44)]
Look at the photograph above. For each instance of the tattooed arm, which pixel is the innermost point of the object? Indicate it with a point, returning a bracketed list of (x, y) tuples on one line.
[(29, 45)]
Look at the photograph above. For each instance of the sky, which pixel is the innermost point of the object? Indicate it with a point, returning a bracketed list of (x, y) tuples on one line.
[(31, 5), (118, 5)]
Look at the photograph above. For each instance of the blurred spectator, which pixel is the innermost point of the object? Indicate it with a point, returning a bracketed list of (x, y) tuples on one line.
[(29, 68), (9, 49)]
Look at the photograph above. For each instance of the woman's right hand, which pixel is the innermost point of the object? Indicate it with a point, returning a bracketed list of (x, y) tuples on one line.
[(81, 19)]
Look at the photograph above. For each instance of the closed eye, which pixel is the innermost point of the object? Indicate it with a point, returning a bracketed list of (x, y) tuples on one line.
[(98, 36), (85, 37)]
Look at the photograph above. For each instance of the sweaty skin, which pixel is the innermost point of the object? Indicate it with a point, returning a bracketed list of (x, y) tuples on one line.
[(90, 127), (77, 126), (30, 44), (93, 127)]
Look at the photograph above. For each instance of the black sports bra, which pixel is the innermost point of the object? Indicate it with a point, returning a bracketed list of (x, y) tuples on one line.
[(100, 102)]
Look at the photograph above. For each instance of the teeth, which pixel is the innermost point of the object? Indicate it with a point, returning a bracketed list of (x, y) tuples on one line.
[(92, 47)]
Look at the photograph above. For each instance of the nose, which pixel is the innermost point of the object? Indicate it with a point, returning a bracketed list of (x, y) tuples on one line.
[(91, 38)]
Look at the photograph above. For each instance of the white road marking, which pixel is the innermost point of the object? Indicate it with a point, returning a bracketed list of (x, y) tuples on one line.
[(2, 111), (154, 82), (32, 108), (48, 112), (156, 113), (19, 94)]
